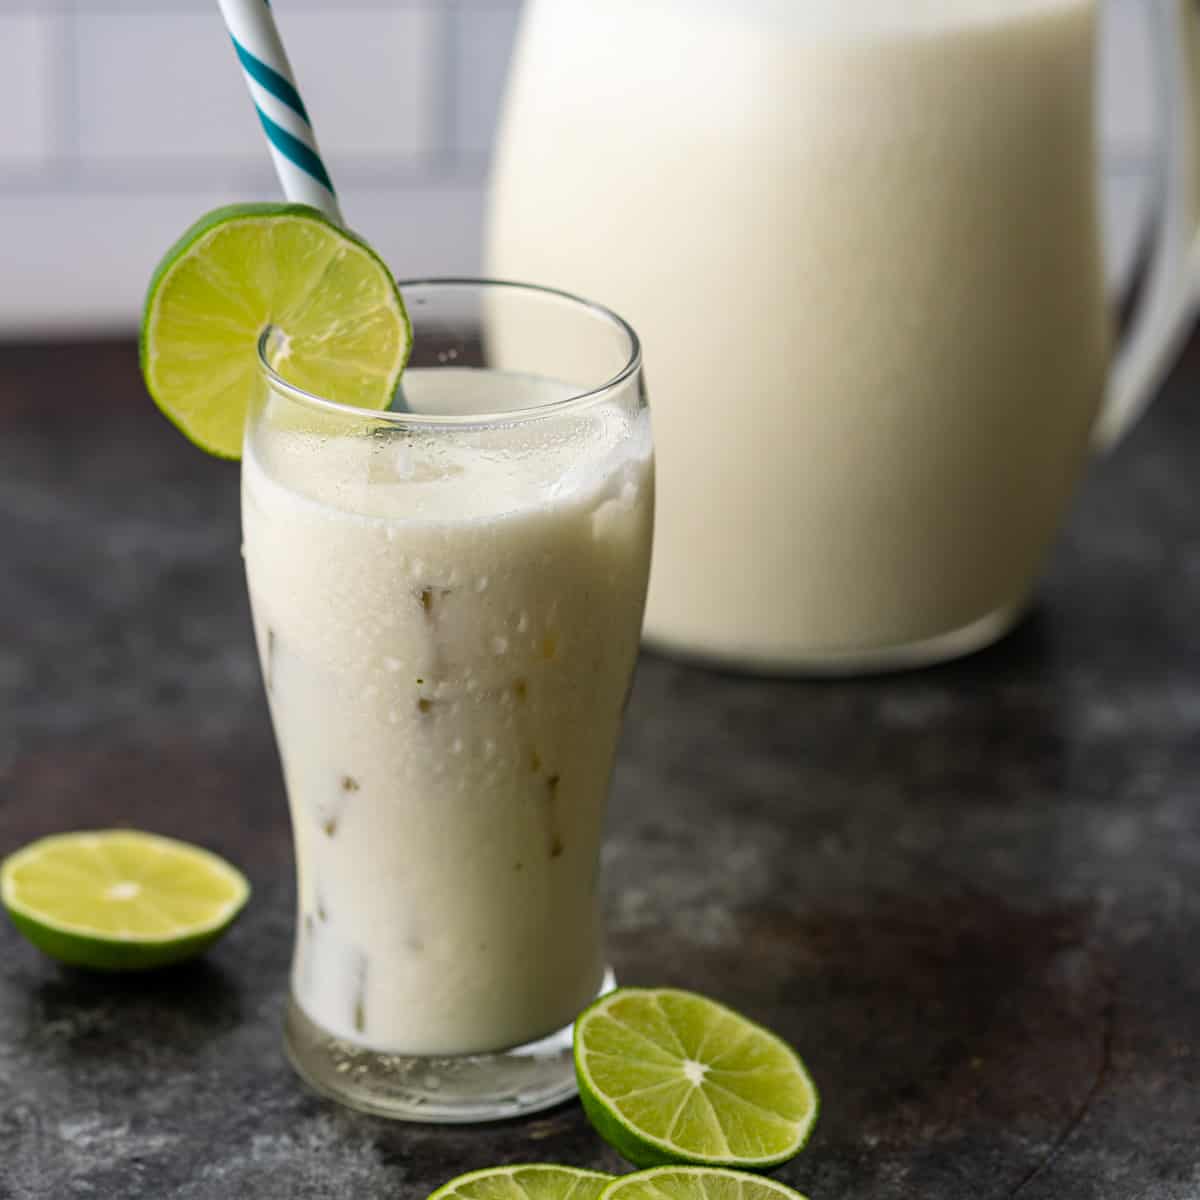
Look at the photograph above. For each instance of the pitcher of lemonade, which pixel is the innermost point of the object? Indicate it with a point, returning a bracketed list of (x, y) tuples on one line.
[(861, 243)]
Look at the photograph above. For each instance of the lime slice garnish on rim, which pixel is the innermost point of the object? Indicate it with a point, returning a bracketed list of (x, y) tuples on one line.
[(342, 325), (120, 899), (696, 1183), (671, 1077), (526, 1181)]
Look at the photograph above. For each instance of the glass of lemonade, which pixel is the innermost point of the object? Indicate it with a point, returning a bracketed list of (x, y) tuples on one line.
[(447, 601)]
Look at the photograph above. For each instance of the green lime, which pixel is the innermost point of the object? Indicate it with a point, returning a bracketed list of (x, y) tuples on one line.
[(526, 1181), (343, 330), (671, 1077), (120, 900), (696, 1183)]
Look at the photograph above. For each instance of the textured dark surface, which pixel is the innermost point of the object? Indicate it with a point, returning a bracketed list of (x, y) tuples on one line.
[(970, 896)]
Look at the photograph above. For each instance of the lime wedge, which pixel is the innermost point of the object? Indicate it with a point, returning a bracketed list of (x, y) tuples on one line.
[(243, 268), (671, 1077), (526, 1181), (696, 1183), (119, 899)]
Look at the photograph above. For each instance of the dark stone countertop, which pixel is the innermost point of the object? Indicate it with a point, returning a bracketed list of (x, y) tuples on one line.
[(970, 896)]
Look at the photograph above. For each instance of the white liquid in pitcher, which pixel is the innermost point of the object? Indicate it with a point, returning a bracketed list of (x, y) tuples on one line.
[(447, 637), (860, 244)]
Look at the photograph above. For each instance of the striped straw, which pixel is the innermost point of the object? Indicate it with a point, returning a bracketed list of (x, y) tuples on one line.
[(282, 113)]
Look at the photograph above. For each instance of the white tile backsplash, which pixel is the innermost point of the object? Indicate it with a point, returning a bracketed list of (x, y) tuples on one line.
[(27, 88), (484, 38), (421, 231), (125, 119), (153, 87), (369, 79), (157, 87)]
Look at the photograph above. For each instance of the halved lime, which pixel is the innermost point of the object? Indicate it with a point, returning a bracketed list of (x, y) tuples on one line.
[(118, 899), (343, 329), (525, 1181), (672, 1077), (696, 1183)]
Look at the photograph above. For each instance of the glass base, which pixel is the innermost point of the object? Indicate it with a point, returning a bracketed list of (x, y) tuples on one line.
[(833, 664), (454, 1090)]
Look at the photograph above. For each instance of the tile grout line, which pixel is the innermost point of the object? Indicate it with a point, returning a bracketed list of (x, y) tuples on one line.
[(444, 157), (59, 96), (69, 115)]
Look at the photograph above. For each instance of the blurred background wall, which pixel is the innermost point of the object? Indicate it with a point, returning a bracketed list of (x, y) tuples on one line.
[(122, 120)]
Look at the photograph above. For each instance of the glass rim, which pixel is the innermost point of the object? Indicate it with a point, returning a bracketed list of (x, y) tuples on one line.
[(577, 399)]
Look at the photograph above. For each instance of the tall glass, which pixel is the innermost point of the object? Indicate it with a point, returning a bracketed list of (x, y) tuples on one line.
[(447, 601)]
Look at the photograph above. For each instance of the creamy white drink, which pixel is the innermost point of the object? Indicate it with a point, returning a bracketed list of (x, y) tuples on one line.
[(859, 238), (447, 624)]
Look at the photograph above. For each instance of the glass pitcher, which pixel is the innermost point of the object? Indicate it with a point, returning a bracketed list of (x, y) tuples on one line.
[(862, 244)]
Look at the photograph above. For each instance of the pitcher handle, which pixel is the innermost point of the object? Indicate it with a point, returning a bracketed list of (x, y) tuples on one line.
[(1170, 278)]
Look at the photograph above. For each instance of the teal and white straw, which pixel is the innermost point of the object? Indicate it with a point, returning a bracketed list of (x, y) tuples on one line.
[(284, 118)]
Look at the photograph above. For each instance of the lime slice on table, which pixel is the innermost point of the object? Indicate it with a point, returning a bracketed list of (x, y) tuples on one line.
[(525, 1181), (672, 1077), (243, 268), (696, 1183), (119, 899)]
